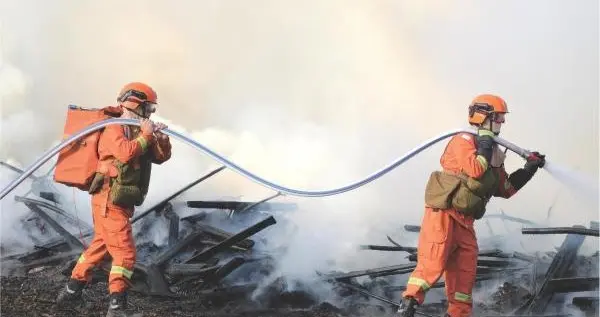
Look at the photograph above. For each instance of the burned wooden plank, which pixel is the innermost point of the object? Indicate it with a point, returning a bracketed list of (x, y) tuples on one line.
[(226, 269), (195, 269), (412, 228), (240, 205), (563, 260), (54, 259), (232, 291), (388, 248), (233, 247), (71, 240), (375, 271), (195, 217), (151, 276), (173, 219), (586, 302), (562, 230), (240, 236), (254, 205), (171, 252), (573, 284), (49, 196), (53, 246), (389, 273), (495, 270), (230, 205), (524, 257), (495, 253), (494, 262), (220, 234)]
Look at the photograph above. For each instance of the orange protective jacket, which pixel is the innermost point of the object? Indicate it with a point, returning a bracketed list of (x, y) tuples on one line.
[(114, 144), (459, 156)]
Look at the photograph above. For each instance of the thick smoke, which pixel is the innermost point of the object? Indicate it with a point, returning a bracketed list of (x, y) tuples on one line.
[(316, 94)]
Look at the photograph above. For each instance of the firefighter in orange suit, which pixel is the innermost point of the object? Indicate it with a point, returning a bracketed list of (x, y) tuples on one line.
[(126, 154), (472, 172)]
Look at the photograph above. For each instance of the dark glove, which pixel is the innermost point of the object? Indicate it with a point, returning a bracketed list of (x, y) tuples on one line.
[(523, 175), (535, 161), (485, 144)]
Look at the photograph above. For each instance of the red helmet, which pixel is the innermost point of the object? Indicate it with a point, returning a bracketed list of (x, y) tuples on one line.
[(137, 92), (485, 105)]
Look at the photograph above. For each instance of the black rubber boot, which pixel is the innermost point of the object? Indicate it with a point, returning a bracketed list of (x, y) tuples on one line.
[(71, 294), (407, 307), (118, 306)]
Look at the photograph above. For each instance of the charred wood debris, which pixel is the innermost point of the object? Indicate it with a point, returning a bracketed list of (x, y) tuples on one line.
[(199, 260)]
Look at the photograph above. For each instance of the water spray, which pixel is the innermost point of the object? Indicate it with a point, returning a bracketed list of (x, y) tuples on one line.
[(247, 174)]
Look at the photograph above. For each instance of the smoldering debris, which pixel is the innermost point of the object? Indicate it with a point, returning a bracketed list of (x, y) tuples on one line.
[(200, 266)]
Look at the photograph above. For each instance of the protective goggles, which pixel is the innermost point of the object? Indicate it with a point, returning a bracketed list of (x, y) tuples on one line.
[(488, 110), (135, 94)]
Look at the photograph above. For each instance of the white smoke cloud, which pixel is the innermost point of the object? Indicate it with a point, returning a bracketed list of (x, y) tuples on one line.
[(316, 94)]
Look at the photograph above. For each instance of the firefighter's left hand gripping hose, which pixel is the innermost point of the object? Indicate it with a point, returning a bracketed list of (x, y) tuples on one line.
[(261, 181)]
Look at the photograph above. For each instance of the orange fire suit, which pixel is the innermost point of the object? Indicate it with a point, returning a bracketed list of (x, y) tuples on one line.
[(447, 242), (112, 229)]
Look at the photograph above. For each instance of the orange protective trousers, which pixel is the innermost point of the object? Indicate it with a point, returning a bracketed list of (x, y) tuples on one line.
[(112, 235), (445, 246)]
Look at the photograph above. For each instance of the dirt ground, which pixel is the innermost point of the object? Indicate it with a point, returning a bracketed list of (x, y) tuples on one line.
[(33, 296)]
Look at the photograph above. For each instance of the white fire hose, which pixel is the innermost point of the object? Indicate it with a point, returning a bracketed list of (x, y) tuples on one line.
[(245, 173)]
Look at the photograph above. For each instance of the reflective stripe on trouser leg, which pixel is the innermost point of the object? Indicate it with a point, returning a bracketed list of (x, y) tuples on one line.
[(461, 297), (119, 270), (81, 259)]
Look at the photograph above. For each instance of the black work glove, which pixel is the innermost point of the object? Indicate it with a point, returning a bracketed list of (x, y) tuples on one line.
[(535, 160), (523, 175), (485, 144)]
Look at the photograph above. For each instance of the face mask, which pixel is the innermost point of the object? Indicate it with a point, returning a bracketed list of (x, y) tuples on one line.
[(497, 121), (496, 127), (149, 108), (145, 110), (494, 123)]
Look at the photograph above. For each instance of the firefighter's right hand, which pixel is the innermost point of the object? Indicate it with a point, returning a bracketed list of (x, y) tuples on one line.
[(147, 127), (159, 126), (535, 161)]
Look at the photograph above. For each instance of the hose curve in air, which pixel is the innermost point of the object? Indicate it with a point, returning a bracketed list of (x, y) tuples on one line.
[(245, 173)]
